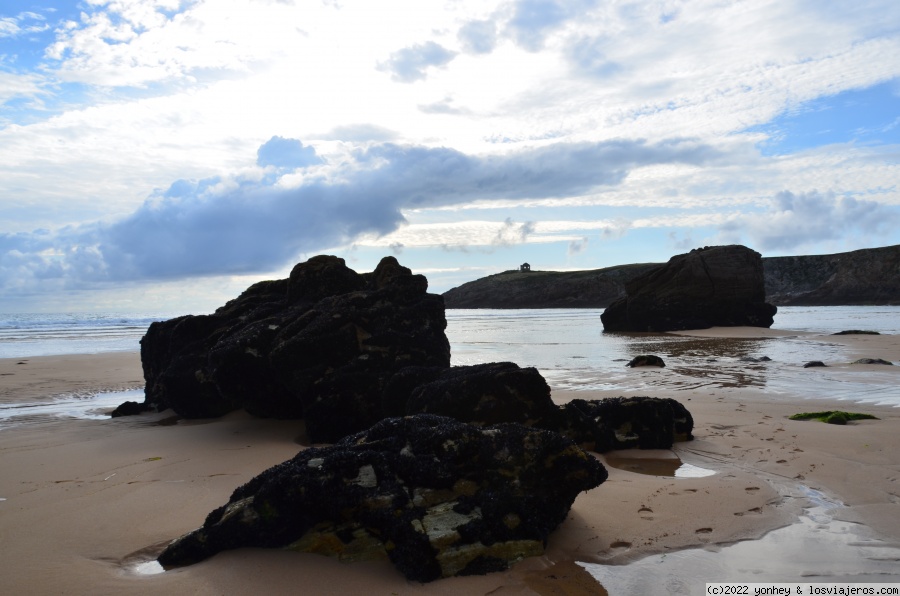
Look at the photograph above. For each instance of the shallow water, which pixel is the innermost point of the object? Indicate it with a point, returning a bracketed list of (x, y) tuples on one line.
[(94, 406), (818, 548), (572, 352)]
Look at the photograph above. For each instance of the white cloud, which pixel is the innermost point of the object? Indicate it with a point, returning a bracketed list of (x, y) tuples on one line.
[(794, 221), (411, 64)]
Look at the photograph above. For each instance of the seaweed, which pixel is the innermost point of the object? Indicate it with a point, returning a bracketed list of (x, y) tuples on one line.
[(833, 416)]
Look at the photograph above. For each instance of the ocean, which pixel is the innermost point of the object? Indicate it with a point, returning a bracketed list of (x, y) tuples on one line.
[(568, 347)]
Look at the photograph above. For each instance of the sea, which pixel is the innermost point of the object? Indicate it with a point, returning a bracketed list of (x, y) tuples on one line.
[(568, 347)]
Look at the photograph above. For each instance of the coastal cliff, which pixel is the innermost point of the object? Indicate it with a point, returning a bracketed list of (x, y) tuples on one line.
[(595, 288), (868, 276)]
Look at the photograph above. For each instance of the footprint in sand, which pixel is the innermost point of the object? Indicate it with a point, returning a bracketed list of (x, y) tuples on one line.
[(619, 544), (751, 489), (757, 510), (645, 513), (703, 534)]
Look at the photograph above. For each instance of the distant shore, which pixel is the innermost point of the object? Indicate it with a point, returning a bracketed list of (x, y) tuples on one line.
[(86, 501)]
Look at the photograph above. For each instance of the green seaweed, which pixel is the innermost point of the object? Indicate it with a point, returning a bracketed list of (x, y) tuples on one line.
[(833, 416)]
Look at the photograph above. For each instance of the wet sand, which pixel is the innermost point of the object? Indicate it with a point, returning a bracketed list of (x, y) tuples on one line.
[(85, 502)]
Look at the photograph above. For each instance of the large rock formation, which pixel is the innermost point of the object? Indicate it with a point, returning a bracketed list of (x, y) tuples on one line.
[(868, 276), (707, 287), (438, 497), (320, 345)]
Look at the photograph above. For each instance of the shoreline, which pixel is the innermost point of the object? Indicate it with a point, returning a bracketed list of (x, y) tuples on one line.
[(86, 501)]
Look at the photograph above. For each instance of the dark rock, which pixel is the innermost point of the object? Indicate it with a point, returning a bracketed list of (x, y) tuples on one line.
[(129, 408), (321, 345), (856, 332), (712, 286), (646, 360), (486, 394), (432, 494), (872, 361), (754, 359), (626, 423), (814, 363)]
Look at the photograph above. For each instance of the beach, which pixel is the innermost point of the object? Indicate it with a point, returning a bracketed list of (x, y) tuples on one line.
[(87, 503)]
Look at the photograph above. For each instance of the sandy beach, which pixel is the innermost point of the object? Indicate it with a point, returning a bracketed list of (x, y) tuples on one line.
[(84, 502)]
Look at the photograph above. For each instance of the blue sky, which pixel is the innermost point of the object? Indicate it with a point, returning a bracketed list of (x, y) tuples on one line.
[(165, 154)]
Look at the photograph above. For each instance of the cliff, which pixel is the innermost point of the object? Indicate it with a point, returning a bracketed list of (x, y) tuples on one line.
[(595, 288), (868, 276)]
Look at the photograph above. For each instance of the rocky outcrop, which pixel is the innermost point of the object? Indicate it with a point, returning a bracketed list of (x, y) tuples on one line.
[(626, 423), (868, 276), (707, 287), (320, 345), (486, 394), (434, 495), (546, 289)]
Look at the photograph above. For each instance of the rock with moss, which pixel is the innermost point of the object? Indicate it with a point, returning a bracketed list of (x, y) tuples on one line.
[(833, 416), (320, 345), (637, 422), (438, 497)]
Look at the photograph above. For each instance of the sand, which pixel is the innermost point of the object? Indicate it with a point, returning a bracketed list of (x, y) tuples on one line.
[(86, 501)]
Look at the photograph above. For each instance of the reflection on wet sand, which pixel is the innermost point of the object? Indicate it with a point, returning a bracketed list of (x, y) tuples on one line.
[(818, 548)]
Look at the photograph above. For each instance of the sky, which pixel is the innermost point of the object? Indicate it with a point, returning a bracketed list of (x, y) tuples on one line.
[(163, 155)]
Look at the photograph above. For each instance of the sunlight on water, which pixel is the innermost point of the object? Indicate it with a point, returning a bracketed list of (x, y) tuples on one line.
[(570, 349)]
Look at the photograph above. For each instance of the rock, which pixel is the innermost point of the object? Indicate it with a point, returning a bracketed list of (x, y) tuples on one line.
[(814, 363), (626, 423), (321, 345), (486, 394), (753, 359), (432, 494), (646, 360), (129, 408), (856, 332), (712, 286), (872, 361)]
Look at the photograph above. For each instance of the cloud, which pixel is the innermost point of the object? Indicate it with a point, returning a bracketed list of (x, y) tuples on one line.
[(588, 56), (796, 220), (286, 153), (478, 37), (444, 106), (360, 133), (534, 20), (512, 233), (577, 246), (241, 224), (410, 64)]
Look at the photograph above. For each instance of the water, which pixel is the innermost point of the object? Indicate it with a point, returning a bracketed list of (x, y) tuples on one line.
[(96, 406), (567, 346), (570, 349), (25, 335), (820, 548)]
